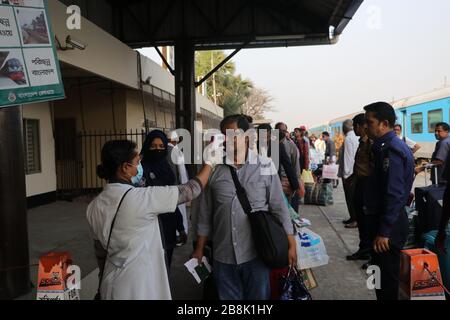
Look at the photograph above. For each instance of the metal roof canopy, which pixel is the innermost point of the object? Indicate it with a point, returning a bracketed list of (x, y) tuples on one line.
[(220, 24), (191, 25)]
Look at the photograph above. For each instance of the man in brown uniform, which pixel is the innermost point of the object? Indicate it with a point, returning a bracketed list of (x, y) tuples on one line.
[(361, 172)]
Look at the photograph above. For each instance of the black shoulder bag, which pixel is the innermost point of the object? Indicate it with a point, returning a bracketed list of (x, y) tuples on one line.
[(268, 234), (105, 254)]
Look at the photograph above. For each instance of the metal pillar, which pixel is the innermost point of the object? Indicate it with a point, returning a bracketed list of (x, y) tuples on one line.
[(14, 255), (185, 107)]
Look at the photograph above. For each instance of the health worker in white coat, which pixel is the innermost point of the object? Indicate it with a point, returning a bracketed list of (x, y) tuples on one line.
[(124, 224)]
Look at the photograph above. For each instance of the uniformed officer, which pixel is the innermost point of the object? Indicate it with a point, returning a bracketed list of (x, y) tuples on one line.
[(390, 185), (441, 237)]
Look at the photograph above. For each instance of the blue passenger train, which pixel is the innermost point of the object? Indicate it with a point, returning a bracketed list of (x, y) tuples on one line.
[(418, 116)]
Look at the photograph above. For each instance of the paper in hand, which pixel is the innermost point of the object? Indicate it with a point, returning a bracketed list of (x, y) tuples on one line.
[(199, 272)]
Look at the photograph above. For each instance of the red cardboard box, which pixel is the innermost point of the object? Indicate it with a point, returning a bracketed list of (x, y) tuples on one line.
[(52, 278), (416, 283)]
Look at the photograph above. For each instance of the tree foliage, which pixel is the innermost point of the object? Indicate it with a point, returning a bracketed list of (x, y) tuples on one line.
[(234, 94)]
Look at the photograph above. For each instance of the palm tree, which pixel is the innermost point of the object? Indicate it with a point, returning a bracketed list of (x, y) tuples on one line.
[(237, 90), (205, 61), (225, 88)]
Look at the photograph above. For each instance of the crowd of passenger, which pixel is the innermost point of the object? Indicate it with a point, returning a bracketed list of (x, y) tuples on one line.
[(141, 217)]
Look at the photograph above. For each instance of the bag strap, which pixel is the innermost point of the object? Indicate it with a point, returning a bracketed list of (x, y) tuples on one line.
[(241, 193), (109, 240)]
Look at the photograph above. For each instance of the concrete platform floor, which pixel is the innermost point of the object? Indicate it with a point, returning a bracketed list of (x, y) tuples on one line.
[(62, 227)]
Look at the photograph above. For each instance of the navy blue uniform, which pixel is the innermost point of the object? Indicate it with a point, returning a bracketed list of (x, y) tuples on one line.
[(388, 190)]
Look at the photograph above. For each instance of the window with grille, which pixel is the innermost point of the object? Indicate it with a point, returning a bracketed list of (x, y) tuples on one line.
[(32, 146)]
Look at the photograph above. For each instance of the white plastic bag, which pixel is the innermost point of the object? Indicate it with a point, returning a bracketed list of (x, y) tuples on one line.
[(330, 172), (311, 251)]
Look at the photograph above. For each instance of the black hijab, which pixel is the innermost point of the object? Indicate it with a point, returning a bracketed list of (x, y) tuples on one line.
[(157, 170)]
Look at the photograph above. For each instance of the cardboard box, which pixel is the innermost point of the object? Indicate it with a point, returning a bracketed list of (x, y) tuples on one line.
[(416, 283), (52, 278), (309, 279)]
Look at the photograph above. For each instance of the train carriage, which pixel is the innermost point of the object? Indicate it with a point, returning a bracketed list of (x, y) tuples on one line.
[(418, 116)]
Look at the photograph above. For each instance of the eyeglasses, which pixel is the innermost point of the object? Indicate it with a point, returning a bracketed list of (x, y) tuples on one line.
[(139, 163)]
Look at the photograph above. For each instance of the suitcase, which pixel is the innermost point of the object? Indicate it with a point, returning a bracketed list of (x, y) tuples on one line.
[(429, 207), (444, 259)]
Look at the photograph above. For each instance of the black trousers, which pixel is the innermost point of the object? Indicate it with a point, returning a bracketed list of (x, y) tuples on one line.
[(349, 191), (389, 264), (361, 214)]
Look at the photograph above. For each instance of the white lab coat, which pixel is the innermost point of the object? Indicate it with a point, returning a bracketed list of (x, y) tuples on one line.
[(135, 268)]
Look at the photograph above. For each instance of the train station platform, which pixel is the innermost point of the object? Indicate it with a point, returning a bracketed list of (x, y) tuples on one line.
[(62, 226)]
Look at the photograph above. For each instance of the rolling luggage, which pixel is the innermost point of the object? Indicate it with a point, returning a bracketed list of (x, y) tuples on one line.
[(429, 206)]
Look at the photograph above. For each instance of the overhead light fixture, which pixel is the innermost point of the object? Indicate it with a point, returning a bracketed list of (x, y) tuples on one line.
[(71, 44)]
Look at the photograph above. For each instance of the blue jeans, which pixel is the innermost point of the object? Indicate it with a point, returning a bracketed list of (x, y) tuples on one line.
[(247, 281)]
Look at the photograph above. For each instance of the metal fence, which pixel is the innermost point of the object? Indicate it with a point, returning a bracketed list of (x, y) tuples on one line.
[(78, 155), (78, 176)]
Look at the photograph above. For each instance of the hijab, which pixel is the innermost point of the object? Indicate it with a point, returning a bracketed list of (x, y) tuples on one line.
[(157, 170)]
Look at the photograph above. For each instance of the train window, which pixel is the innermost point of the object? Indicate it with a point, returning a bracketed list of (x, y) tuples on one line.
[(417, 123), (434, 117)]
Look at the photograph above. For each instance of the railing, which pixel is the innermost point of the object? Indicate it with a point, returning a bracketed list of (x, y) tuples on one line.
[(77, 177)]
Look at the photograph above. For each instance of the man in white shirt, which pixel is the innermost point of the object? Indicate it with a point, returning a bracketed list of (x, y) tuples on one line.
[(320, 146), (346, 164), (410, 143)]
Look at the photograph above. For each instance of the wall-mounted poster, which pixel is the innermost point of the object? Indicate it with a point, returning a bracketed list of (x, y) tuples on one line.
[(29, 67)]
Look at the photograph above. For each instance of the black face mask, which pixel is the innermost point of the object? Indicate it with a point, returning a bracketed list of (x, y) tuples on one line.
[(156, 155)]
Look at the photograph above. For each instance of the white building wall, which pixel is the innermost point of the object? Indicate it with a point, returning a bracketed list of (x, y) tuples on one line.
[(45, 181), (104, 55)]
